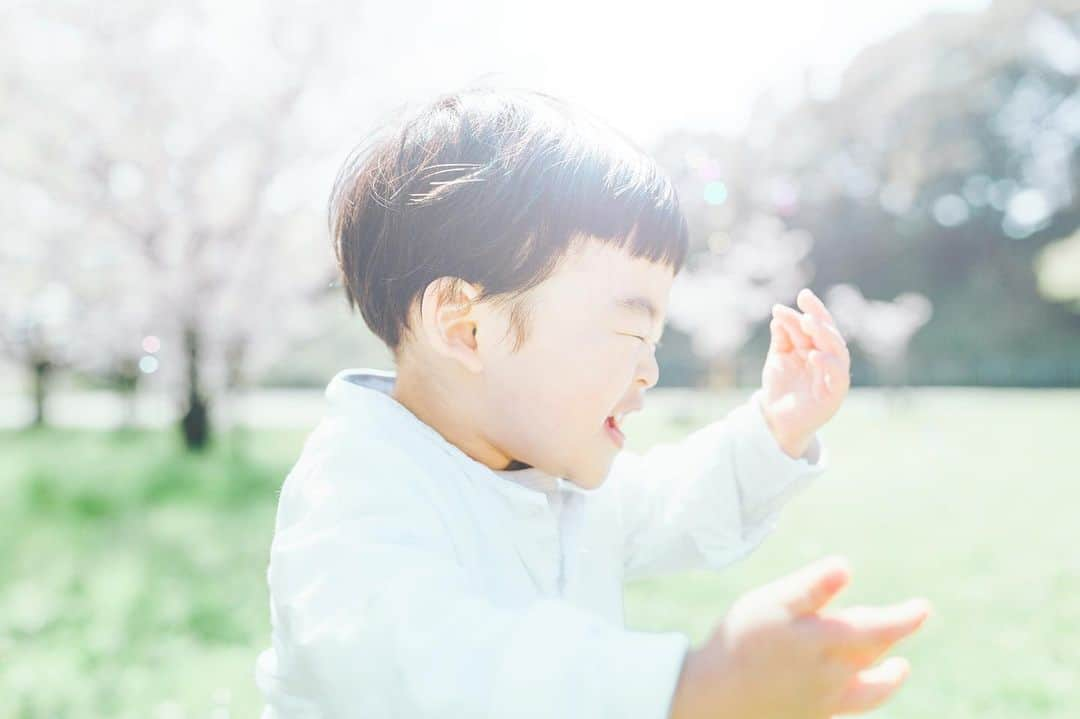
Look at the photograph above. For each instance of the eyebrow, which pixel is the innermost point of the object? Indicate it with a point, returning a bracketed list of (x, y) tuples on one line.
[(638, 304)]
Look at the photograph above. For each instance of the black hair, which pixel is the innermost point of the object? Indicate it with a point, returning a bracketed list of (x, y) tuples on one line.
[(493, 187)]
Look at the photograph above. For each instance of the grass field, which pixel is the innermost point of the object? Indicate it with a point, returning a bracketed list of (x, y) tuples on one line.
[(133, 581)]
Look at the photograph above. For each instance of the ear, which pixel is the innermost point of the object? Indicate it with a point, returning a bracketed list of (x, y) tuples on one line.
[(449, 318)]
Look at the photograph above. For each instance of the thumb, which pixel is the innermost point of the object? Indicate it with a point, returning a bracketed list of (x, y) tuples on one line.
[(871, 687), (807, 590)]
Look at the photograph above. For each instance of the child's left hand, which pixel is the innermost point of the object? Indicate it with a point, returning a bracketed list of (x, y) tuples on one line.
[(806, 374)]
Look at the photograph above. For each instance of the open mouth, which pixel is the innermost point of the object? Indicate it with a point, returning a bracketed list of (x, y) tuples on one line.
[(611, 425)]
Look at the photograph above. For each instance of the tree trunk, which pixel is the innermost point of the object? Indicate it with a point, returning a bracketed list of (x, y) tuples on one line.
[(235, 388), (721, 373), (42, 373), (127, 384), (195, 424)]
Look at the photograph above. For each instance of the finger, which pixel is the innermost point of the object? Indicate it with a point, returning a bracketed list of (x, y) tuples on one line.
[(862, 634), (811, 304), (830, 374), (818, 375), (790, 318), (836, 373), (825, 337), (871, 687), (781, 339), (808, 589)]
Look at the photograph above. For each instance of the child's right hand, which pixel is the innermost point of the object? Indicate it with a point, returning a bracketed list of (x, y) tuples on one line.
[(777, 656)]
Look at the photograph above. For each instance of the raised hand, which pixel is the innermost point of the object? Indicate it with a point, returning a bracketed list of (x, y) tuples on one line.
[(807, 372), (778, 654)]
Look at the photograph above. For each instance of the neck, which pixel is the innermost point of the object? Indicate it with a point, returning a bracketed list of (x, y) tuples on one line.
[(427, 396)]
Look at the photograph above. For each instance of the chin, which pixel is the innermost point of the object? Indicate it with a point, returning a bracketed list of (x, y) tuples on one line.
[(592, 478)]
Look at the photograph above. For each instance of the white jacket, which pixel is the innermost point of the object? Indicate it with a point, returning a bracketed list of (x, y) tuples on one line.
[(409, 580)]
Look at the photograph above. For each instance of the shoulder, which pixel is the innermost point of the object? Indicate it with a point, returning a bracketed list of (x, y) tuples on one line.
[(344, 470), (341, 443)]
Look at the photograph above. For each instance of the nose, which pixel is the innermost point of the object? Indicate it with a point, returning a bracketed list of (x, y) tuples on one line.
[(649, 371)]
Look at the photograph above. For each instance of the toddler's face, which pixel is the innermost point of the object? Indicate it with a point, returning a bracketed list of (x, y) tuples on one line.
[(584, 360)]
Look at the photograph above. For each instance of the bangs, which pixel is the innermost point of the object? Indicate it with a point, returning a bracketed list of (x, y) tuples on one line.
[(571, 175), (620, 198), (493, 187)]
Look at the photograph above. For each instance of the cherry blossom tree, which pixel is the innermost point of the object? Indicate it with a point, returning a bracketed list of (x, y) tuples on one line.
[(883, 329), (39, 314), (728, 292), (187, 142)]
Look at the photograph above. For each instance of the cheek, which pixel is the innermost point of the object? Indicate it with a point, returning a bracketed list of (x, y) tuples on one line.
[(569, 393), (597, 377), (555, 395)]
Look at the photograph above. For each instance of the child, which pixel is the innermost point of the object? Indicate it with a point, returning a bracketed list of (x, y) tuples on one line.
[(454, 538)]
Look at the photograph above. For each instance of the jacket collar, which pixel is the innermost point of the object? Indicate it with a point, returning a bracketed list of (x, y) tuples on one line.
[(366, 392)]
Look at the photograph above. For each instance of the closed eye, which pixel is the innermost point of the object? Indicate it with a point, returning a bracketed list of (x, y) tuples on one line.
[(646, 341)]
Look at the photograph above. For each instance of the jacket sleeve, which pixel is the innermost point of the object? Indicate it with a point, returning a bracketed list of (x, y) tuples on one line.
[(709, 499), (374, 617)]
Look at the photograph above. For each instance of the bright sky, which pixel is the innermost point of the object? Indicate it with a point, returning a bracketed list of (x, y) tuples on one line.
[(646, 68)]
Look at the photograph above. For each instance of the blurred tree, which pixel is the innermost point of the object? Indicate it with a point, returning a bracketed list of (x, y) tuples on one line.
[(883, 329), (39, 315), (1057, 267), (942, 163), (945, 173), (743, 258), (188, 138)]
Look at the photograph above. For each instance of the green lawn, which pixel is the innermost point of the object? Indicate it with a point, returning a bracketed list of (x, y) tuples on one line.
[(134, 578)]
